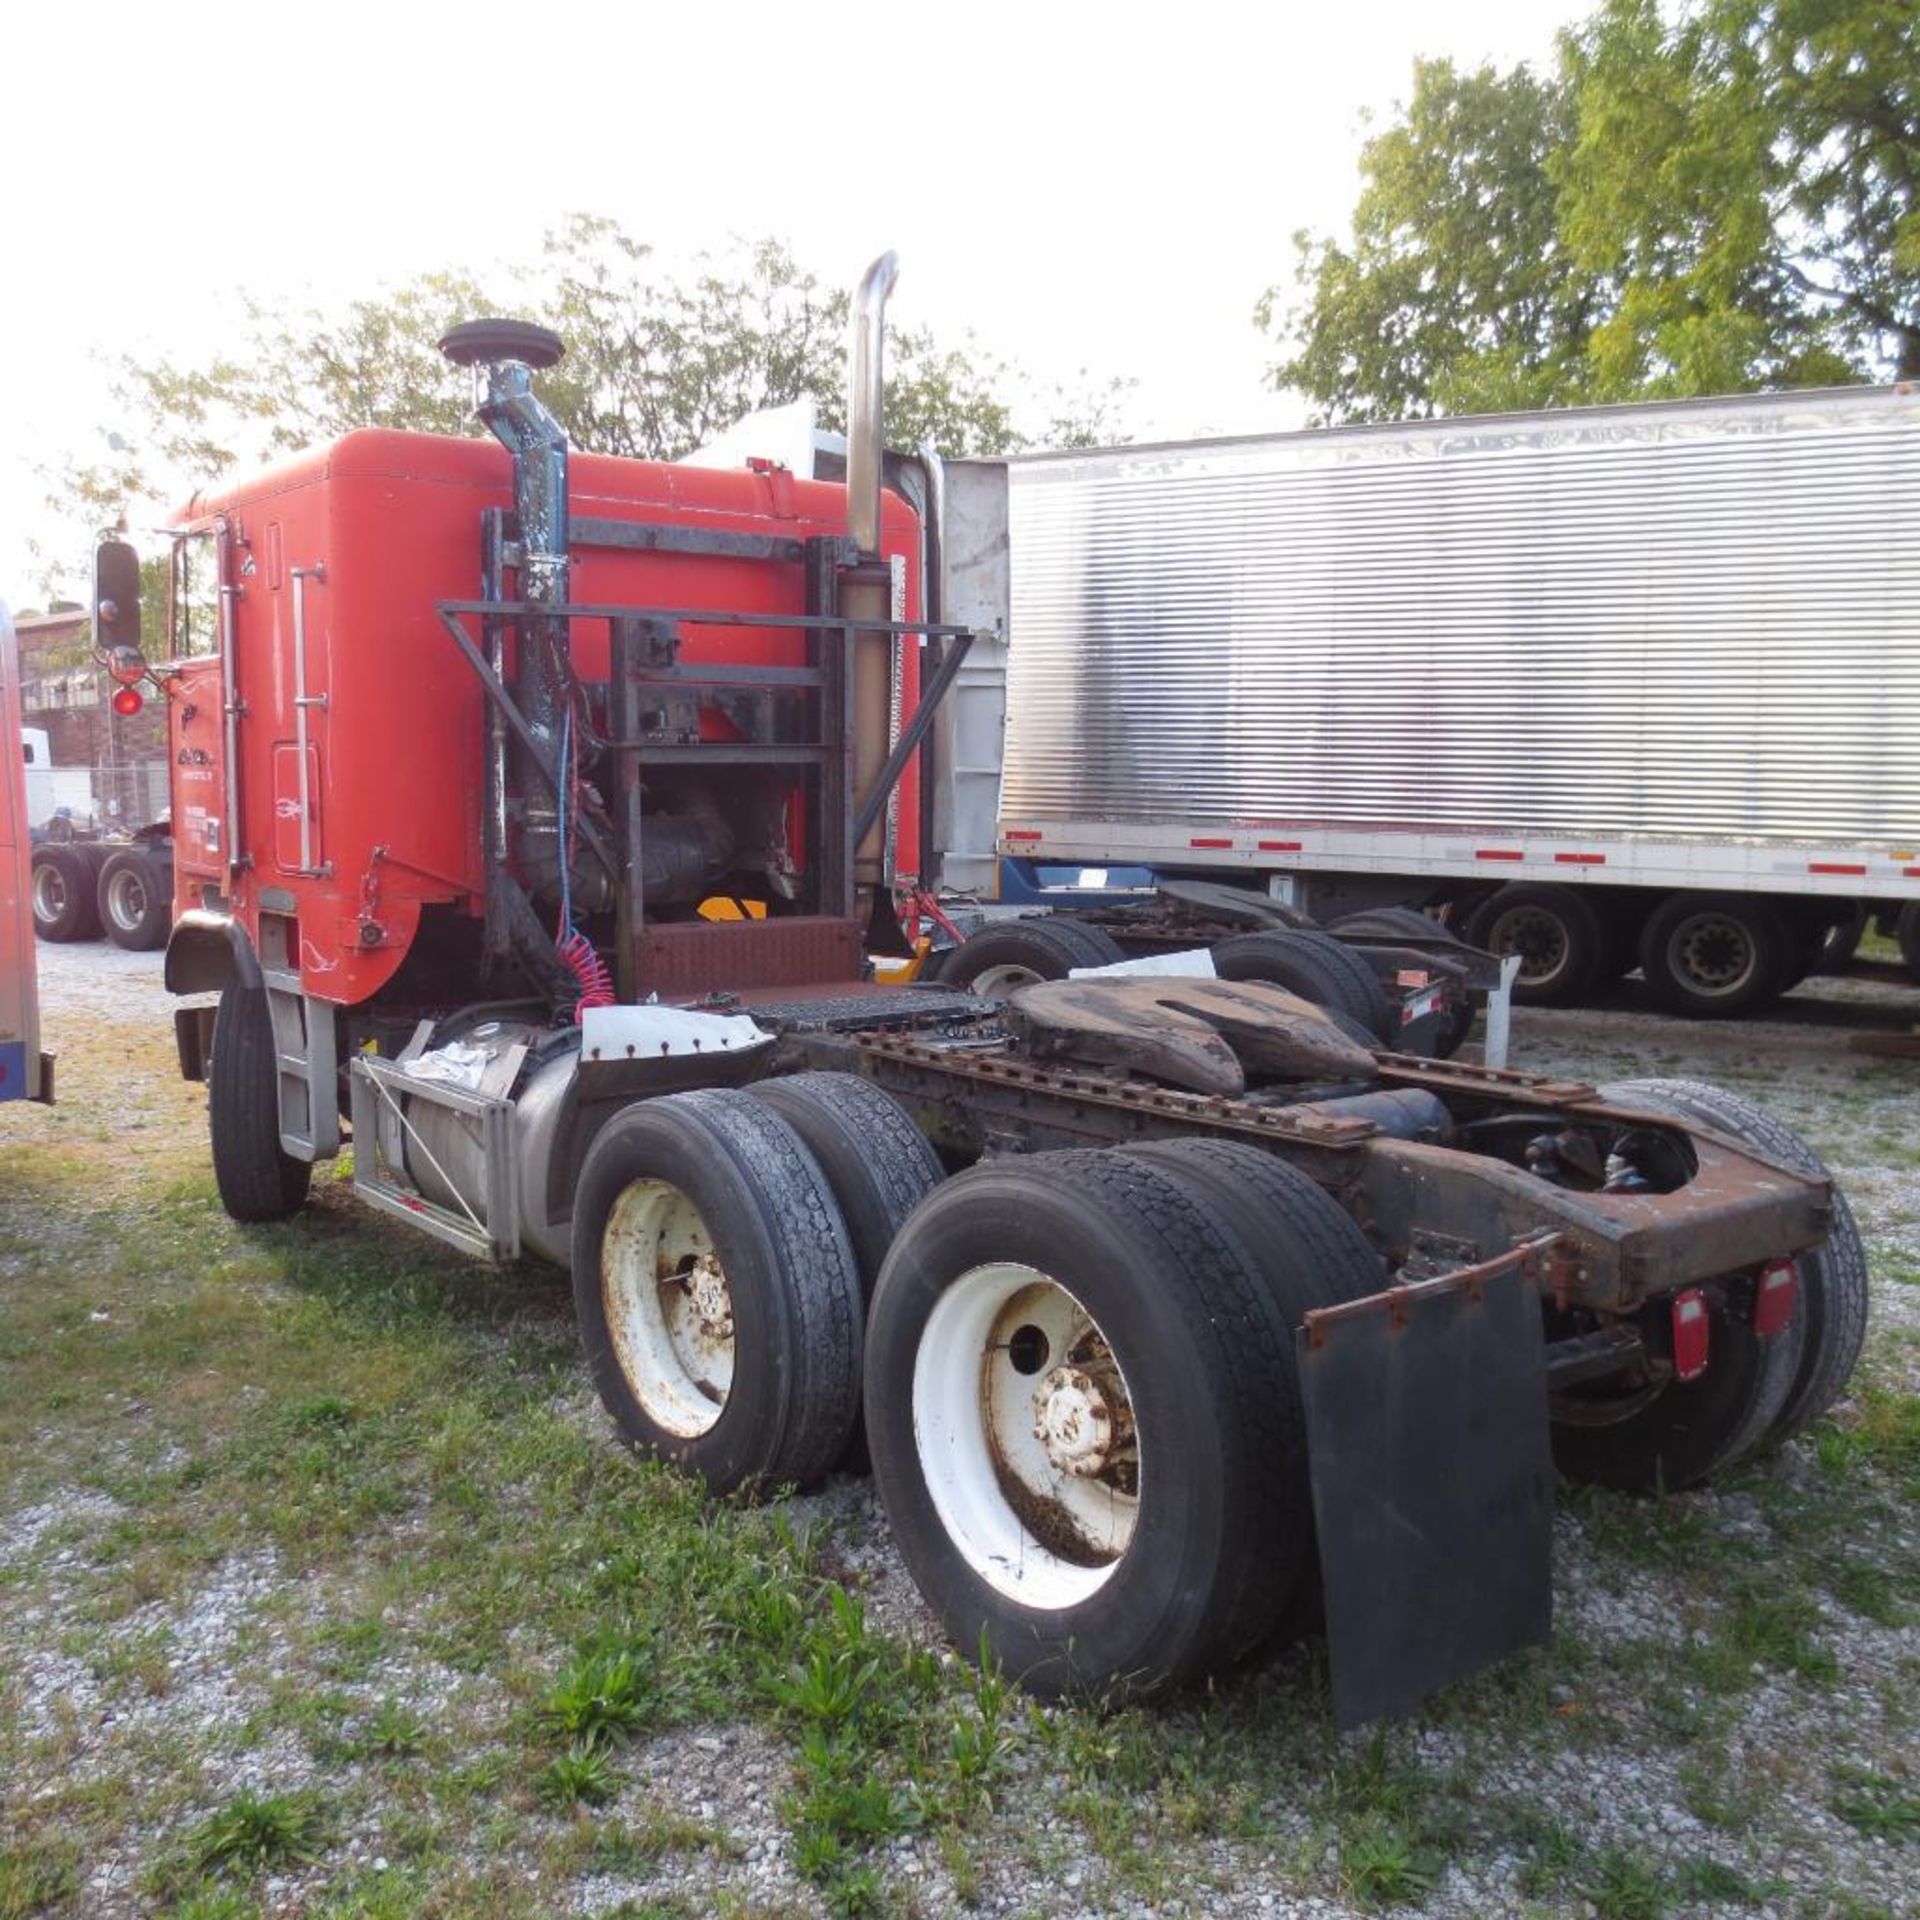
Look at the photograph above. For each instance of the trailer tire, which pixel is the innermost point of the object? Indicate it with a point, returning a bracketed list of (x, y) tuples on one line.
[(1557, 933), (748, 1373), (1834, 1287), (1714, 955), (1308, 1253), (1006, 955), (1841, 940), (135, 899), (1317, 967), (1906, 930), (259, 1180), (1006, 1487), (64, 904)]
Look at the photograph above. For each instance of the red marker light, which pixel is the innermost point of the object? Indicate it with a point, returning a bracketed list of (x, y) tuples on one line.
[(127, 702), (1775, 1298), (1692, 1328)]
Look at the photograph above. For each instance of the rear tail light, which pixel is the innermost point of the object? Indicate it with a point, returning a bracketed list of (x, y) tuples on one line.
[(1691, 1331), (1775, 1298)]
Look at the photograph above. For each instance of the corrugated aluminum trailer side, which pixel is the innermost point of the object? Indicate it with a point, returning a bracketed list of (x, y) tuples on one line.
[(1623, 684)]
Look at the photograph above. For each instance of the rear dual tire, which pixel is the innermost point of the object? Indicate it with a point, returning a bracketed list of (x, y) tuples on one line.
[(717, 1291), (1319, 969), (135, 899), (1084, 1410), (1756, 1392), (1006, 955), (65, 894)]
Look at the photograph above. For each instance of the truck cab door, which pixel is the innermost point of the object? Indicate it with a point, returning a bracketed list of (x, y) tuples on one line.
[(200, 716)]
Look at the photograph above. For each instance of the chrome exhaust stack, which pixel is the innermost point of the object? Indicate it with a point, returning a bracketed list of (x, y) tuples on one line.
[(869, 599)]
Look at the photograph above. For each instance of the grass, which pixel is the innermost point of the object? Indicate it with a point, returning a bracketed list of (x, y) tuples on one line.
[(489, 1637), (255, 1831)]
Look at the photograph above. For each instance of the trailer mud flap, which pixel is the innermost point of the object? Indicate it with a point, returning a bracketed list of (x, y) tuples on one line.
[(1432, 1480)]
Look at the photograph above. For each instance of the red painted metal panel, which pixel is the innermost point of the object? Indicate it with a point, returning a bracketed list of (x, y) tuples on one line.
[(398, 749)]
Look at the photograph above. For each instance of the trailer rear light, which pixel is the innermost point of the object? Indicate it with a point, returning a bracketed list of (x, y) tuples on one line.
[(1775, 1298), (1691, 1331), (127, 702)]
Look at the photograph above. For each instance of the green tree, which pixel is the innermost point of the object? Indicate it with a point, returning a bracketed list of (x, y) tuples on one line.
[(659, 360), (1748, 172), (1457, 292), (1705, 197)]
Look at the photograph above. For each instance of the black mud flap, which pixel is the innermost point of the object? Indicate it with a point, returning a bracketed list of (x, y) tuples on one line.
[(1432, 1481)]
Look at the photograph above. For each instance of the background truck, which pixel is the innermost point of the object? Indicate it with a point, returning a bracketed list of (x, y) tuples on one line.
[(541, 817), (1610, 687), (96, 765)]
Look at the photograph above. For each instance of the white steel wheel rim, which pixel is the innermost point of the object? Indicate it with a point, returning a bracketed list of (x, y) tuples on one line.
[(49, 892), (1713, 953), (669, 1313), (1009, 977), (1023, 1425), (126, 899)]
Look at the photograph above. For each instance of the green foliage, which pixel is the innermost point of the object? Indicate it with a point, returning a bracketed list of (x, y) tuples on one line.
[(1456, 293), (1698, 199), (33, 1880), (582, 1776), (1878, 1806), (255, 1831), (660, 358), (601, 1700)]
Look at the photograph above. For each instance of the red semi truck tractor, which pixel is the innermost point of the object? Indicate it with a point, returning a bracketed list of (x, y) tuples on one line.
[(1149, 1286)]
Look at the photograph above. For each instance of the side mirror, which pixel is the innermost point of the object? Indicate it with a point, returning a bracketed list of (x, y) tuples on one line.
[(116, 610)]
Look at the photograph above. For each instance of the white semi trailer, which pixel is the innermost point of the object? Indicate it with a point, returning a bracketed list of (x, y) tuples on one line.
[(1612, 687)]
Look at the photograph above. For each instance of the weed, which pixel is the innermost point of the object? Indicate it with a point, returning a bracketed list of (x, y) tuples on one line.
[(601, 1700), (392, 1733), (1621, 1886), (1711, 1884), (1381, 1865), (33, 1880), (1873, 1804), (254, 1831), (580, 1777)]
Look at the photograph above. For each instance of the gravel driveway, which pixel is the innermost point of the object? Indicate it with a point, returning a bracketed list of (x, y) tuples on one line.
[(1724, 1723)]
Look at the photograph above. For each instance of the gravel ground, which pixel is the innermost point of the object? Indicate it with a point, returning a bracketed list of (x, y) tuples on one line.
[(1586, 1763)]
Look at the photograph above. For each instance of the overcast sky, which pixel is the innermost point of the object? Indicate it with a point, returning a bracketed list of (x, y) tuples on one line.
[(1107, 187)]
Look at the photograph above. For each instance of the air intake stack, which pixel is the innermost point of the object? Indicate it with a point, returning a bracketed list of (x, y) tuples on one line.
[(506, 354)]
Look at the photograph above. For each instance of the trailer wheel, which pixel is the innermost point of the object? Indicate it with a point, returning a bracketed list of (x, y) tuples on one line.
[(1317, 967), (1833, 1279), (258, 1180), (1308, 1253), (1073, 1398), (1713, 955), (1009, 954), (135, 902), (718, 1300), (1556, 932), (1841, 940), (64, 908), (1906, 930)]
